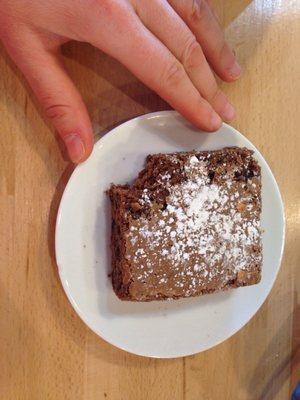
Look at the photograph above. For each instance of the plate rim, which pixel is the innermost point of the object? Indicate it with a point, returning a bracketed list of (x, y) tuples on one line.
[(60, 268)]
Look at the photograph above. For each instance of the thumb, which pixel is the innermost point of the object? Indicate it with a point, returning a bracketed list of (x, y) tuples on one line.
[(58, 96)]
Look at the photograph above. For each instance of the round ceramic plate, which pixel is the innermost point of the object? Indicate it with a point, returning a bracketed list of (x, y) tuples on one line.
[(164, 328)]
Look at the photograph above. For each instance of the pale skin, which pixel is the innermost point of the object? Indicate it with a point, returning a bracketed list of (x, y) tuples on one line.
[(173, 46)]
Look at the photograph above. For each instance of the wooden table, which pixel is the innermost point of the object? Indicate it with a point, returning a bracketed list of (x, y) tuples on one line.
[(46, 351)]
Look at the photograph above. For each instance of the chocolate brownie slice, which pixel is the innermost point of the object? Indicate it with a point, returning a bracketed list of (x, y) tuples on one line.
[(189, 225)]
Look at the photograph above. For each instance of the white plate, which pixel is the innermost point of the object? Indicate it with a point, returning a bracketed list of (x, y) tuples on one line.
[(155, 329)]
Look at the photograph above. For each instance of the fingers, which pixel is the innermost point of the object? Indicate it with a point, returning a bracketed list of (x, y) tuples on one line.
[(175, 34), (213, 10), (144, 55), (201, 20), (56, 93)]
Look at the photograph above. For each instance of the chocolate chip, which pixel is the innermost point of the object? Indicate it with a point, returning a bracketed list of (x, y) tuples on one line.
[(231, 282), (239, 176), (249, 174), (211, 176)]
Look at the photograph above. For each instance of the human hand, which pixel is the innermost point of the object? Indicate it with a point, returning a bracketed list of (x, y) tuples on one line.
[(171, 46)]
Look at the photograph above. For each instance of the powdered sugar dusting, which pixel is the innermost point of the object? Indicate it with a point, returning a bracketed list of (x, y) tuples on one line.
[(203, 238)]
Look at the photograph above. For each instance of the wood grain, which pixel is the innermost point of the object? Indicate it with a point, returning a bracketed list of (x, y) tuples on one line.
[(46, 351)]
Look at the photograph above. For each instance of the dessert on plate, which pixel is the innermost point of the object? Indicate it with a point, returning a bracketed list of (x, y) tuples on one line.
[(188, 225)]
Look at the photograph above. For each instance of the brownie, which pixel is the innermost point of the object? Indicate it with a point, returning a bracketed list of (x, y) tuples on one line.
[(188, 225)]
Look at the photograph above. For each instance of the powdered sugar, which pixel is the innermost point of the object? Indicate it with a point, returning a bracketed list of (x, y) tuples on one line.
[(202, 235)]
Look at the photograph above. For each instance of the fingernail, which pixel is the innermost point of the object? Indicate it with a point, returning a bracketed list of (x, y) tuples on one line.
[(75, 147), (228, 114), (235, 70), (215, 122)]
